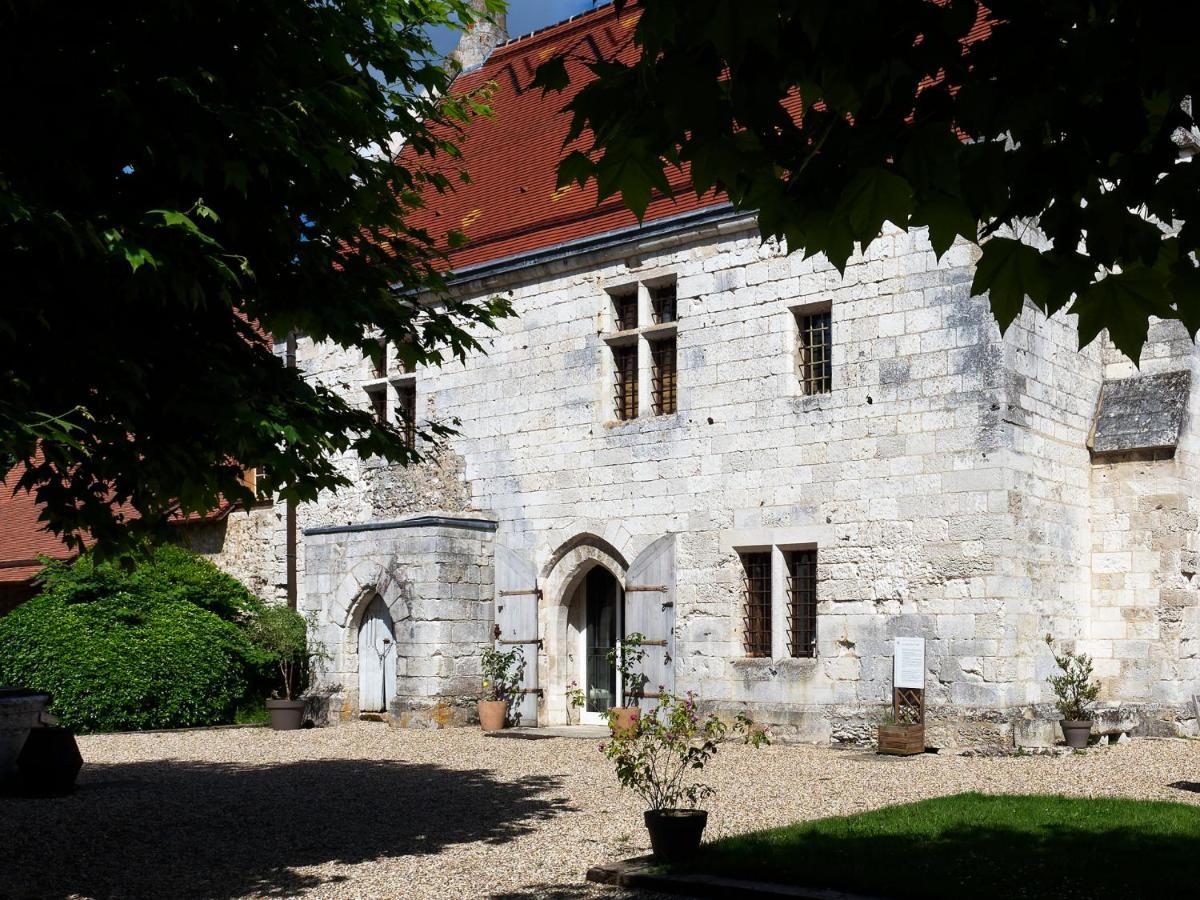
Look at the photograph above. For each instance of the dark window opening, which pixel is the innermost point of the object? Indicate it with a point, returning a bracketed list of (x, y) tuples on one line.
[(378, 398), (625, 310), (814, 361), (802, 602), (406, 411), (380, 365), (625, 394), (662, 301), (662, 352), (757, 571)]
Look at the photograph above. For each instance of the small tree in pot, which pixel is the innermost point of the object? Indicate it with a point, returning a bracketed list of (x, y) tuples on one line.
[(1074, 691), (653, 758), (282, 634), (503, 674), (627, 656)]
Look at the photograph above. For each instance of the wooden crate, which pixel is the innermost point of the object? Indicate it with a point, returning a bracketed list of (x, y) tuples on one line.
[(902, 740)]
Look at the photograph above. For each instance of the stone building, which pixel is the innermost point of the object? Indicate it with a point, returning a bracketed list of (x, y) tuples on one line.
[(769, 469)]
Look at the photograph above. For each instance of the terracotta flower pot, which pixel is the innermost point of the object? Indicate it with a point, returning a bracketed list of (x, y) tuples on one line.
[(492, 714), (1077, 732), (675, 833), (623, 719), (286, 715)]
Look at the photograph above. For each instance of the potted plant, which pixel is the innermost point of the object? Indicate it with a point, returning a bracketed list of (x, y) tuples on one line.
[(653, 758), (282, 633), (627, 655), (575, 701), (502, 677), (1074, 691)]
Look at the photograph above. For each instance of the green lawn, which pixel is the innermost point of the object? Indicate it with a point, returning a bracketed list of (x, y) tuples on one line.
[(977, 846)]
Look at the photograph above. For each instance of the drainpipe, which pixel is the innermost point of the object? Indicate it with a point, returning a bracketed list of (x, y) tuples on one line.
[(290, 551)]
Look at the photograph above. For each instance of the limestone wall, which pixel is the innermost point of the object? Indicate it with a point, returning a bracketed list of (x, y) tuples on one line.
[(945, 481), (436, 580)]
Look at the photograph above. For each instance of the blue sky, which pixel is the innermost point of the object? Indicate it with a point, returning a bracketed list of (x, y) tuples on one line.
[(525, 16)]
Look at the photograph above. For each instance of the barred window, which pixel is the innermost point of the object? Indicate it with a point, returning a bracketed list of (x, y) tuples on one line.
[(406, 411), (625, 387), (662, 354), (378, 397), (625, 310), (662, 302), (802, 602), (814, 351), (757, 571), (380, 365)]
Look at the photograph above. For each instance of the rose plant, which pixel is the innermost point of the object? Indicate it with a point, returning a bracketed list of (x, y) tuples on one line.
[(654, 758)]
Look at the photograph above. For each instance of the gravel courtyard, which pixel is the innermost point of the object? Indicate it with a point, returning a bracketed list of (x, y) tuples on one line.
[(365, 810)]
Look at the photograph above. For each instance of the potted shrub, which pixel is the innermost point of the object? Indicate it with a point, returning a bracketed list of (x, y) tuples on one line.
[(627, 656), (575, 701), (282, 633), (1074, 692), (654, 756), (502, 677)]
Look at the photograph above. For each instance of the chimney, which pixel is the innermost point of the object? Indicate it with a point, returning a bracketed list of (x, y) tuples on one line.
[(481, 38)]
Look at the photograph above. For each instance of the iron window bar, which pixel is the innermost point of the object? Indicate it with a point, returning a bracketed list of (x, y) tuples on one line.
[(406, 411), (757, 620), (380, 365), (814, 360), (663, 303), (378, 398), (802, 603), (625, 381), (625, 310), (663, 383)]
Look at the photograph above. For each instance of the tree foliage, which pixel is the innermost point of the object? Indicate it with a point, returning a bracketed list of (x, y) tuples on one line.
[(1059, 133), (159, 645), (178, 178)]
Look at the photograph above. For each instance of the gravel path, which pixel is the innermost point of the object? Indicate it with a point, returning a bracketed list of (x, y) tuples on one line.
[(364, 810)]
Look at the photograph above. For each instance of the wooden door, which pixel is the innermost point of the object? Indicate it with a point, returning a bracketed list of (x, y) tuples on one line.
[(376, 659), (517, 596), (650, 610)]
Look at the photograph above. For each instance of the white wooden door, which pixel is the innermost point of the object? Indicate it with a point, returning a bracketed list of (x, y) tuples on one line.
[(517, 597), (376, 659), (650, 610)]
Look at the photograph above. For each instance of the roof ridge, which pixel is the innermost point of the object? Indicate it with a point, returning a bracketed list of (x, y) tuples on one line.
[(546, 31)]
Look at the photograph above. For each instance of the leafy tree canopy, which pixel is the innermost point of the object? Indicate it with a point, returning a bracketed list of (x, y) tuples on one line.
[(1058, 137), (178, 177)]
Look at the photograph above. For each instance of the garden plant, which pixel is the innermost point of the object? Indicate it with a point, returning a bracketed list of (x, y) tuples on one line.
[(657, 757)]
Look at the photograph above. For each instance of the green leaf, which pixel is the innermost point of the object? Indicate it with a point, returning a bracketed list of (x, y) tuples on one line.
[(575, 167), (1122, 303), (946, 217), (1007, 272), (873, 197)]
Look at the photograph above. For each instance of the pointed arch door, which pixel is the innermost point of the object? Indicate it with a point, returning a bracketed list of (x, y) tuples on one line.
[(376, 658)]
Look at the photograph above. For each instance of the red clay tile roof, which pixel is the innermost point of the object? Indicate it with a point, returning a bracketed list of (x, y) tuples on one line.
[(22, 539), (511, 206)]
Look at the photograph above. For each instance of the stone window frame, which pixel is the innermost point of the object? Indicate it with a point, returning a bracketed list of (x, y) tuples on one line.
[(644, 334), (796, 313), (780, 625), (383, 386)]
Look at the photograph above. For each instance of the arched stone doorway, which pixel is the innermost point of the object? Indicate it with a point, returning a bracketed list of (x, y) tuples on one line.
[(584, 562), (376, 658)]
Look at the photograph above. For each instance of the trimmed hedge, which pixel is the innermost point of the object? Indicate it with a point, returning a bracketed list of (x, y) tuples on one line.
[(155, 646)]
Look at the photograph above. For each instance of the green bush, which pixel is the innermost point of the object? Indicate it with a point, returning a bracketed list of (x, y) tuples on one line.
[(158, 645)]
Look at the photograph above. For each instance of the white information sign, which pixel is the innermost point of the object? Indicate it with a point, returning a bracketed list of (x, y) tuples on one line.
[(908, 663)]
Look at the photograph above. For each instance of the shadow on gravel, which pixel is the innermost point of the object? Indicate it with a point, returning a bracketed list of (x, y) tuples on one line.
[(183, 829)]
